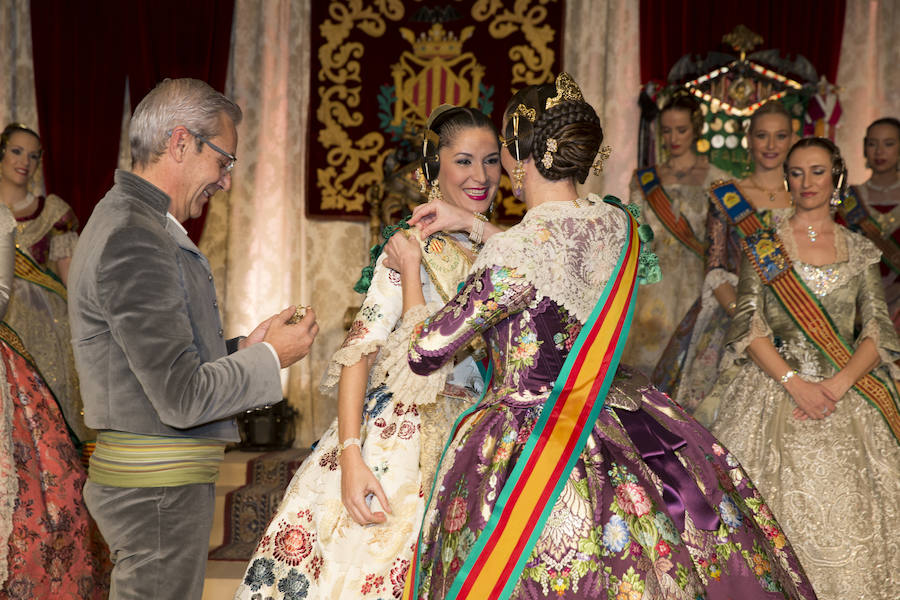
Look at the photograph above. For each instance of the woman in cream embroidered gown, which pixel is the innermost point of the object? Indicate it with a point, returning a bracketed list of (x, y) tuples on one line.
[(822, 456), (685, 176), (613, 532), (49, 546), (350, 516), (690, 363), (46, 237)]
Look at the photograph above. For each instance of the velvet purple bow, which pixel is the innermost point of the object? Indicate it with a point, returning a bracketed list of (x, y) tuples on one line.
[(657, 446)]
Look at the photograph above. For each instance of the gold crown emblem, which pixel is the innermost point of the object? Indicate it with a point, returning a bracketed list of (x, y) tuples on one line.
[(437, 42)]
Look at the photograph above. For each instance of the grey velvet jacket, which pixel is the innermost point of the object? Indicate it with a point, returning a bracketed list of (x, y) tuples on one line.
[(146, 330)]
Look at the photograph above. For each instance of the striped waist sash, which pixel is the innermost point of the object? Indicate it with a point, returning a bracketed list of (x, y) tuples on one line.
[(134, 460)]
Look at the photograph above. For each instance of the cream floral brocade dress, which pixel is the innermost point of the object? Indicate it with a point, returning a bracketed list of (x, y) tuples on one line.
[(661, 306), (833, 484), (313, 548)]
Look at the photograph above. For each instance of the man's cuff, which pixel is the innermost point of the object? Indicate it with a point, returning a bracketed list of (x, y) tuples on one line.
[(275, 354)]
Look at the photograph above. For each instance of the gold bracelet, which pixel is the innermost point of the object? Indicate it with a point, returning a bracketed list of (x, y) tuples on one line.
[(477, 234), (732, 306), (347, 443)]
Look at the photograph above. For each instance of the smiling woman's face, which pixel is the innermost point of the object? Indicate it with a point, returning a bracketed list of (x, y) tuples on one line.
[(21, 158), (470, 169)]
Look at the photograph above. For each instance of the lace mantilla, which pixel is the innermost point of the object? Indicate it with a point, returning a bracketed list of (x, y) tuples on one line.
[(392, 368), (566, 250)]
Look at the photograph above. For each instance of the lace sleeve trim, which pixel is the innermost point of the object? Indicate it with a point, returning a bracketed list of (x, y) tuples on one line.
[(345, 357), (734, 351), (63, 245), (713, 280), (872, 330)]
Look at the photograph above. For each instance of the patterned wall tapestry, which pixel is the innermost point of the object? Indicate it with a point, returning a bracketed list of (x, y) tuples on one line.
[(379, 67)]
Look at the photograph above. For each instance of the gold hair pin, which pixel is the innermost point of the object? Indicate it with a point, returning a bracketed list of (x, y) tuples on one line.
[(602, 156)]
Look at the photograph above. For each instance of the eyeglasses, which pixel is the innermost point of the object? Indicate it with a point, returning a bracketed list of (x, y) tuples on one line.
[(231, 157)]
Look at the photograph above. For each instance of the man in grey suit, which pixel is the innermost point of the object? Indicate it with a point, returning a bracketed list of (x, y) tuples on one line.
[(159, 380)]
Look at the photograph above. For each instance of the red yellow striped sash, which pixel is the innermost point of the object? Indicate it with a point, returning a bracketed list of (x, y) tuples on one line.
[(29, 270), (501, 550), (766, 253), (859, 219), (659, 201)]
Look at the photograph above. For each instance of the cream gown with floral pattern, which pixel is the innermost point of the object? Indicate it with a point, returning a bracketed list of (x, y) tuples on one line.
[(312, 548)]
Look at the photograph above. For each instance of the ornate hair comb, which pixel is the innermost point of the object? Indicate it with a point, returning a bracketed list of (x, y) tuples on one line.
[(566, 91)]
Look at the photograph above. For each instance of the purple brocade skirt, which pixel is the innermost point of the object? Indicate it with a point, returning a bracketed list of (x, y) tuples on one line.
[(654, 508)]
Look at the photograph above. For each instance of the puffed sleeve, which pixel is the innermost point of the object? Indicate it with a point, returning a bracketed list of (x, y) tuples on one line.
[(377, 317), (488, 296), (63, 233), (749, 321), (720, 262), (876, 324)]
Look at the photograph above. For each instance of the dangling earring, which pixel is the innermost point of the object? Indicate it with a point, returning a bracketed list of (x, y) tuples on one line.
[(434, 194), (835, 198), (423, 184), (518, 174), (836, 194), (788, 190)]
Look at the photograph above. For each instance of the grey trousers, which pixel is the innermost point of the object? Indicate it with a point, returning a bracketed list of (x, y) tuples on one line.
[(158, 538)]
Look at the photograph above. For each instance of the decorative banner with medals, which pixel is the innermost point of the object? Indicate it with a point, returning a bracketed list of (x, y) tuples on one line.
[(729, 90), (380, 67)]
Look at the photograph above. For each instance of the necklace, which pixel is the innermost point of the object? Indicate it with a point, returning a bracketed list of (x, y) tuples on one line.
[(771, 193), (681, 174), (811, 233), (882, 188)]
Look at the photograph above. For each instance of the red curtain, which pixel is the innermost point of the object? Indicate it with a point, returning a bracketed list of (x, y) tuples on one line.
[(669, 29), (83, 53)]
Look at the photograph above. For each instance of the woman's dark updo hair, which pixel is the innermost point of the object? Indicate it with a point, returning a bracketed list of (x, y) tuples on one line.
[(682, 101), (447, 124), (572, 123), (11, 129), (838, 167)]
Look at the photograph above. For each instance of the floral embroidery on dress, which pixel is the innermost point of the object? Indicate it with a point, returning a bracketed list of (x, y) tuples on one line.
[(358, 330)]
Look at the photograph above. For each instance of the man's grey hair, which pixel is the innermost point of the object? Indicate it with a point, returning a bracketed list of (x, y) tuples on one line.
[(173, 102)]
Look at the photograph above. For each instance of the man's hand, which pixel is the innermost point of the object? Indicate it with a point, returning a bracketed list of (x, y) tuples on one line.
[(291, 342), (257, 335)]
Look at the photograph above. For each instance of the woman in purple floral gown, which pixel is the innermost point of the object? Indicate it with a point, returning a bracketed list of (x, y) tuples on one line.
[(654, 507)]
